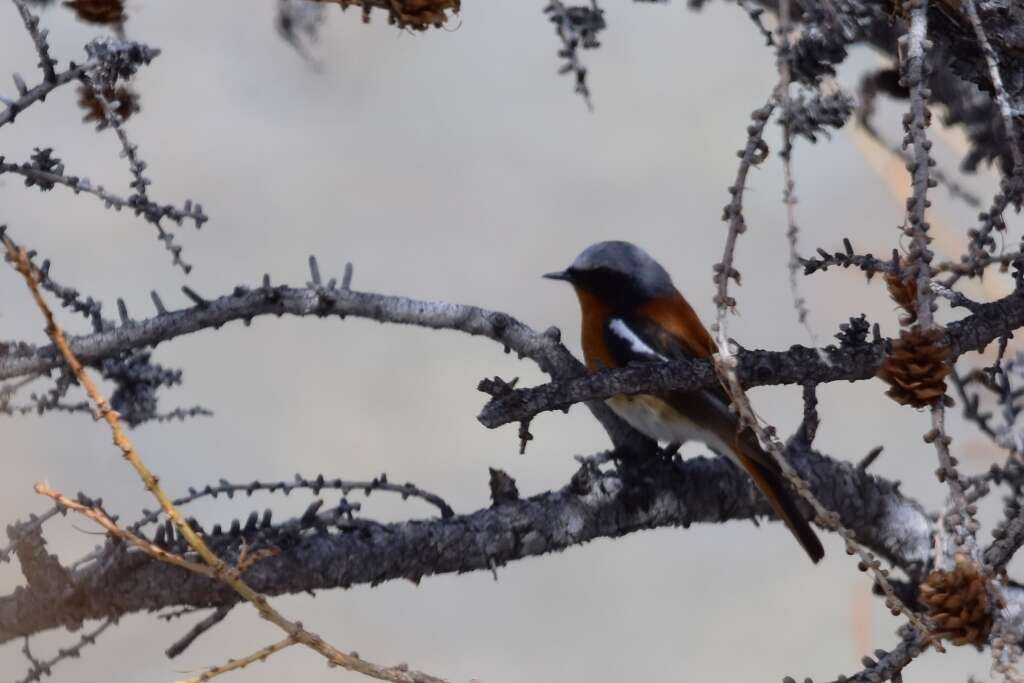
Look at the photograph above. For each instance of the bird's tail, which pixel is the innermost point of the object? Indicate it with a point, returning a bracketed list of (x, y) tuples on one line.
[(773, 485)]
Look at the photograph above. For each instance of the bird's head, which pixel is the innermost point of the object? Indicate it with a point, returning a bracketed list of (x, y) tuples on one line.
[(619, 274)]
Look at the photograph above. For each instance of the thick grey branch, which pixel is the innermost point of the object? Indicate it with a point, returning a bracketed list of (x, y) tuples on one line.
[(245, 304), (594, 505)]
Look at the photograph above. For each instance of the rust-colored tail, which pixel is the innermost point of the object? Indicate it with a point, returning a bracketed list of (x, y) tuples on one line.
[(773, 485)]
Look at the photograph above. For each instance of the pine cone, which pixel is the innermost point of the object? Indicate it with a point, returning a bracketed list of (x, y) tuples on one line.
[(98, 11), (126, 98), (904, 293), (958, 604), (916, 368), (422, 14)]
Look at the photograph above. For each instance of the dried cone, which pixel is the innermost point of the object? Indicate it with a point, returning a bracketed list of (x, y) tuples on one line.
[(422, 14), (904, 293), (126, 99), (958, 604), (98, 11), (916, 368)]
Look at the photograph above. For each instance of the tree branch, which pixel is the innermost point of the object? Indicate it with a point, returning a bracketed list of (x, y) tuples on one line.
[(798, 365), (594, 505), (244, 304)]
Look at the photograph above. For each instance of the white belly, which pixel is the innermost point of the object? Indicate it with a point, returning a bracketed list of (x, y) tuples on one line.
[(662, 422)]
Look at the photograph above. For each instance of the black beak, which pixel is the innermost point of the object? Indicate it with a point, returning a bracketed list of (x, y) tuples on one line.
[(560, 275)]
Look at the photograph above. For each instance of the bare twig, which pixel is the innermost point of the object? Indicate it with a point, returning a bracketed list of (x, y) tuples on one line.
[(100, 517), (788, 185), (31, 21), (45, 179), (755, 151), (38, 93), (40, 669), (848, 258), (140, 201), (577, 28), (199, 629), (960, 520), (955, 189), (236, 664), (316, 484), (886, 666)]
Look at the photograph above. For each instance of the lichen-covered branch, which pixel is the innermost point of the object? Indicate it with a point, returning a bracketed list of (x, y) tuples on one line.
[(321, 300), (594, 505)]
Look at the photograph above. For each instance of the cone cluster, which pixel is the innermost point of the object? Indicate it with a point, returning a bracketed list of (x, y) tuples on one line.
[(421, 14), (98, 11), (958, 603), (127, 103), (904, 293), (916, 368)]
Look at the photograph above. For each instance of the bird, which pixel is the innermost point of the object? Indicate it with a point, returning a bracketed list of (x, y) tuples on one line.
[(632, 314)]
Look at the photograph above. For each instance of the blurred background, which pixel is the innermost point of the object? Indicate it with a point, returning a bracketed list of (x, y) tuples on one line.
[(457, 165)]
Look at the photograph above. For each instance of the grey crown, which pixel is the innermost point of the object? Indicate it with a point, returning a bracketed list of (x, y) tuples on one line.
[(629, 259)]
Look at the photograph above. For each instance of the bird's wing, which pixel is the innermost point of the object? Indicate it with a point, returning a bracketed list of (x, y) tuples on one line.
[(679, 329), (639, 339)]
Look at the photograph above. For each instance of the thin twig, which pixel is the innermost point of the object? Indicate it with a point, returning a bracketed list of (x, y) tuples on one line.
[(100, 517), (46, 62), (316, 484), (236, 664), (886, 666), (41, 177), (199, 629), (753, 153), (140, 201), (955, 189), (960, 520), (39, 92), (788, 185), (39, 669)]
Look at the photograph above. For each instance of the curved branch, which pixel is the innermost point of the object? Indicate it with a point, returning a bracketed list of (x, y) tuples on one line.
[(545, 349), (798, 365), (595, 505), (245, 304)]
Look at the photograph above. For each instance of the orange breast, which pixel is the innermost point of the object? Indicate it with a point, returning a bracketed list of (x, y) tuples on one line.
[(595, 315)]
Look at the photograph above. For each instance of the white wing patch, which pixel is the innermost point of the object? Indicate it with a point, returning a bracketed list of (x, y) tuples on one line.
[(637, 345)]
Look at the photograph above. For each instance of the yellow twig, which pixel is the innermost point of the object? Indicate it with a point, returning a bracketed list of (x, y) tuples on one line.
[(220, 569), (247, 559), (235, 664), (101, 518)]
